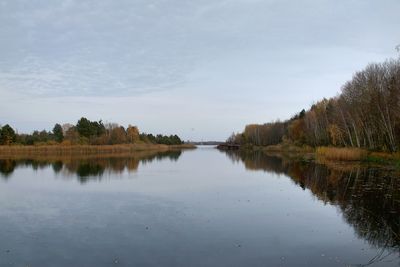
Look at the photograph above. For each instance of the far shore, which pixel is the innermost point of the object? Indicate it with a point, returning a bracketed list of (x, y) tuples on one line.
[(85, 150), (326, 154)]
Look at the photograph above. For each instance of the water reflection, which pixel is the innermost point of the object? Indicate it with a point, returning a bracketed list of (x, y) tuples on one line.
[(87, 168), (368, 197)]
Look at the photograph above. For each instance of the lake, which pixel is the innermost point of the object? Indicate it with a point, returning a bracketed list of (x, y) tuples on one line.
[(200, 207)]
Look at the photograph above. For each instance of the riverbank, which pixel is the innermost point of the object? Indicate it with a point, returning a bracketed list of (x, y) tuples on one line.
[(330, 154), (85, 150)]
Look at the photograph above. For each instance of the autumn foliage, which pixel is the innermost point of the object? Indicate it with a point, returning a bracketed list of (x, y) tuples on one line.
[(365, 115), (86, 132)]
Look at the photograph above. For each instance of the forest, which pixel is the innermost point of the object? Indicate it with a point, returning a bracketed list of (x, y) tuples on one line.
[(85, 132), (366, 114)]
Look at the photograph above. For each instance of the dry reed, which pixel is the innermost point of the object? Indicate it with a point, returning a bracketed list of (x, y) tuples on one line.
[(342, 153), (59, 150)]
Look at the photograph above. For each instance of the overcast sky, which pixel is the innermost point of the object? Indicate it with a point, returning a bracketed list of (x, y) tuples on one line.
[(198, 68)]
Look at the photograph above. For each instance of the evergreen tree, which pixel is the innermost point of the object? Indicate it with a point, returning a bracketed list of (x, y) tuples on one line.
[(58, 133), (7, 135)]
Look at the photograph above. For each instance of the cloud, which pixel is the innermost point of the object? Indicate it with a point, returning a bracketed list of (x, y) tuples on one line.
[(93, 48), (86, 48), (72, 77), (264, 58)]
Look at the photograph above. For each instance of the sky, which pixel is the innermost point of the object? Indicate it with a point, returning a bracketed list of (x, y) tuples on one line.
[(201, 68)]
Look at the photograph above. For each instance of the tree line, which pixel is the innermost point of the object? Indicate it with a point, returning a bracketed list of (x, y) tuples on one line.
[(85, 132), (366, 114)]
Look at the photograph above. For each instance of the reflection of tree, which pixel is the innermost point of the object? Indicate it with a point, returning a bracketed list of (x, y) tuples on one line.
[(85, 170), (7, 167), (34, 164), (90, 167), (173, 155), (368, 197), (57, 166)]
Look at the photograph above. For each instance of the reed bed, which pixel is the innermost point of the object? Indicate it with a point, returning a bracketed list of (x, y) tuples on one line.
[(289, 148), (341, 153), (60, 150)]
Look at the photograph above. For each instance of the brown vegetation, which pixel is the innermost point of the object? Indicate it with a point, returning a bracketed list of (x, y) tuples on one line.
[(341, 154), (285, 147), (53, 150)]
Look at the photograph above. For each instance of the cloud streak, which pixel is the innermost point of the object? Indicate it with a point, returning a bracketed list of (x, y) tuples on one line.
[(272, 53)]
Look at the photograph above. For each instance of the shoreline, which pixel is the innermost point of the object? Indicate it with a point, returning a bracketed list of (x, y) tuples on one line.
[(329, 154), (86, 150)]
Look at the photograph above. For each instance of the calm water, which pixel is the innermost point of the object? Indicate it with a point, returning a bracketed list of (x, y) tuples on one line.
[(197, 208)]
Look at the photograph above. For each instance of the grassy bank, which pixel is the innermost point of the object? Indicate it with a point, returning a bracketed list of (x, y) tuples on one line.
[(58, 150), (342, 153), (289, 148), (331, 154), (357, 154)]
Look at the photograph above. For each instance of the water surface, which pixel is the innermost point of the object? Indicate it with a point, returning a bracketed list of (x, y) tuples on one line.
[(196, 208)]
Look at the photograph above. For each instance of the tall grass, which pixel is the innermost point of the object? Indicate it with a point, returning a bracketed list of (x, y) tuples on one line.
[(57, 150), (341, 153), (290, 148)]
